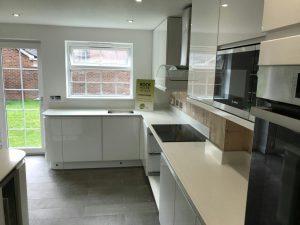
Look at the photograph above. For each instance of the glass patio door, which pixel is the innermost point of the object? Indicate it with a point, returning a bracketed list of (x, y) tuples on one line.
[(20, 78)]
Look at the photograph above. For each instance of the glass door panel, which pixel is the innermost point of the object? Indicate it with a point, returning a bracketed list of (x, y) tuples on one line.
[(21, 93)]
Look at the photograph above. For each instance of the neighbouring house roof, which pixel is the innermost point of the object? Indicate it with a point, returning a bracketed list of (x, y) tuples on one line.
[(31, 53)]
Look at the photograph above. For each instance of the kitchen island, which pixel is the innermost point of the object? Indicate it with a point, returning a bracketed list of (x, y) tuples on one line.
[(13, 191)]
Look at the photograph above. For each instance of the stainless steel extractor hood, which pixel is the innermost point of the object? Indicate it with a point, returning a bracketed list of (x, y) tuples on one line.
[(185, 38)]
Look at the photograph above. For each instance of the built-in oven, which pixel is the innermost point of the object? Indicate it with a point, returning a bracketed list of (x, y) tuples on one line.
[(236, 79), (274, 181)]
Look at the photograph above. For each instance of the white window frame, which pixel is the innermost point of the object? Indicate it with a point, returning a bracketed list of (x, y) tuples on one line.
[(69, 45)]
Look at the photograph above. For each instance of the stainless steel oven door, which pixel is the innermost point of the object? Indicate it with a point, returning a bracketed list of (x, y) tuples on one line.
[(274, 181)]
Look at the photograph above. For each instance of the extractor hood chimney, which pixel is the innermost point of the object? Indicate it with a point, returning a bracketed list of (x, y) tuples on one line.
[(185, 39)]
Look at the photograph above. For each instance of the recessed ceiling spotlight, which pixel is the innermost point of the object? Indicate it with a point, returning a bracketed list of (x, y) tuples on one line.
[(224, 5), (138, 0), (16, 14), (130, 21)]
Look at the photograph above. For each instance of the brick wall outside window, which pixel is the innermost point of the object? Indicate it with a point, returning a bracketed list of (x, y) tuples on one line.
[(11, 64)]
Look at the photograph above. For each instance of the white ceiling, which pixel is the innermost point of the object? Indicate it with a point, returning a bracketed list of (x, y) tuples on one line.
[(91, 13)]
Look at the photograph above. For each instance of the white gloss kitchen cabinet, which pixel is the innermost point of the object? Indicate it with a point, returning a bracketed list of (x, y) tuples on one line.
[(278, 13), (174, 208), (121, 138), (241, 20), (81, 139), (92, 141)]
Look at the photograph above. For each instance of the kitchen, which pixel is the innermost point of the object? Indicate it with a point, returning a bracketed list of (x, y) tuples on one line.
[(229, 96)]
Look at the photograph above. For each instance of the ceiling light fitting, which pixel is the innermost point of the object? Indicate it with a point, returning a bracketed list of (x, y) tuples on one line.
[(130, 21), (16, 14), (225, 5), (138, 0)]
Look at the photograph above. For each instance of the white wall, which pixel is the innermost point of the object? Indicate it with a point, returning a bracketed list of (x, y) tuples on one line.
[(52, 56)]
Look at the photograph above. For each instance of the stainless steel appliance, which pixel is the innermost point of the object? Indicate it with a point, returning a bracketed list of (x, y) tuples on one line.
[(274, 182), (236, 79)]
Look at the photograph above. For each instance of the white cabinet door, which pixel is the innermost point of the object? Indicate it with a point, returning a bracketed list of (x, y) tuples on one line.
[(53, 136), (82, 139), (167, 195), (184, 214), (279, 13), (121, 138), (240, 21)]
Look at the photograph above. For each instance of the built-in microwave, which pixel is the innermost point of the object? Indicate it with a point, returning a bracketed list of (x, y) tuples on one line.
[(236, 79)]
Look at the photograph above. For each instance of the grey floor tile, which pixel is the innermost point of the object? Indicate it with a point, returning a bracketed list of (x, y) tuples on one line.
[(142, 218), (112, 196), (105, 220), (56, 213)]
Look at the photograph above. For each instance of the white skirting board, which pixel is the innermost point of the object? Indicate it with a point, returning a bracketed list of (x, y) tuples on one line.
[(154, 183)]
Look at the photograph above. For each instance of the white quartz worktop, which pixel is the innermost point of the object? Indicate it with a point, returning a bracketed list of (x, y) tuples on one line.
[(87, 112), (217, 191), (9, 159)]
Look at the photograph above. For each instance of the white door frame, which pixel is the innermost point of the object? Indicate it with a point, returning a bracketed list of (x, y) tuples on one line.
[(3, 125)]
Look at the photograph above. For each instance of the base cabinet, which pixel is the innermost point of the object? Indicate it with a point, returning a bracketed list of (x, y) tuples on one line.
[(174, 208), (121, 138), (184, 214), (82, 139), (167, 194), (95, 140)]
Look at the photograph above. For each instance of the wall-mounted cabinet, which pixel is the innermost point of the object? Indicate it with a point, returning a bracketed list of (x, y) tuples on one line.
[(241, 20), (218, 25), (203, 47), (279, 13), (166, 47)]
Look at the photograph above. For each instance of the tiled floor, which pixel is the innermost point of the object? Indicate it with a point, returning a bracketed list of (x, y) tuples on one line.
[(86, 197)]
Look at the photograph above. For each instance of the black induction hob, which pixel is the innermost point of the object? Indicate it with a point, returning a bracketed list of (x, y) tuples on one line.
[(178, 133)]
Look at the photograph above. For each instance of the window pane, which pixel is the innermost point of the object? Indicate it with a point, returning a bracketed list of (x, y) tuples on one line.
[(33, 138), (93, 76), (32, 118), (31, 100), (13, 99), (30, 79), (29, 58), (15, 119), (93, 89), (78, 76), (109, 89), (109, 76), (12, 79), (78, 89), (123, 89), (123, 76), (100, 56), (10, 58), (16, 138)]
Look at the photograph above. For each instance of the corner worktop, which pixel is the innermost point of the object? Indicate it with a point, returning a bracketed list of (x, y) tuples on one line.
[(217, 191), (9, 159)]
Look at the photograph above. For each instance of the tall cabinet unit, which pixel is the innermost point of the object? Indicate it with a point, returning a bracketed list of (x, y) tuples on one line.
[(166, 47)]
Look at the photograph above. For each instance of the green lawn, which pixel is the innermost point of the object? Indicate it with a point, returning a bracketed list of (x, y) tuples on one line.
[(20, 119)]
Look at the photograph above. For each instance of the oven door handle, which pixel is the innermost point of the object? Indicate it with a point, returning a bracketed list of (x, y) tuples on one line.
[(281, 120)]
